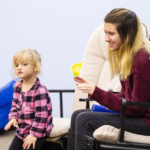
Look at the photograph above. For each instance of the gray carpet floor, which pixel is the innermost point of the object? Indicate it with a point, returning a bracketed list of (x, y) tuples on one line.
[(6, 138)]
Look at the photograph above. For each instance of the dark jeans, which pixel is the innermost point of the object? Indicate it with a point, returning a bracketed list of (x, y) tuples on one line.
[(86, 122), (17, 144)]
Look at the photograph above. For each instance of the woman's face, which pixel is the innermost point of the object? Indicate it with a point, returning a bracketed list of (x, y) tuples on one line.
[(112, 36)]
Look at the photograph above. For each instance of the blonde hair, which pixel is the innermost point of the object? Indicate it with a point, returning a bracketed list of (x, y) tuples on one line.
[(132, 39), (27, 56)]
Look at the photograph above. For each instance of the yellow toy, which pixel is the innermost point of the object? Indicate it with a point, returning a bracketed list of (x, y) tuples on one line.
[(76, 68)]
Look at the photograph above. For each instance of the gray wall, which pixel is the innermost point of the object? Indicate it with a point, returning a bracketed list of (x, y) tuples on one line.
[(59, 31)]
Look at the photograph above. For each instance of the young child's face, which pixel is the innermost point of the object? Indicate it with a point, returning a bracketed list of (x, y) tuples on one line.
[(24, 70)]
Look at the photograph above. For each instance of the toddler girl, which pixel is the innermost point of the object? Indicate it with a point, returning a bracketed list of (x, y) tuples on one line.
[(31, 107)]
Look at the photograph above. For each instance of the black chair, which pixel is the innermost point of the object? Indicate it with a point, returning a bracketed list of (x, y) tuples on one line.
[(121, 144)]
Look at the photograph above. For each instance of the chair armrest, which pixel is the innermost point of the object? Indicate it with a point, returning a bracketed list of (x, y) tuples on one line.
[(126, 103), (61, 97), (87, 100), (139, 104)]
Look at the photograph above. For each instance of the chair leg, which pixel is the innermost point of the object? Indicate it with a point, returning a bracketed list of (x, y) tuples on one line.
[(65, 141), (71, 140)]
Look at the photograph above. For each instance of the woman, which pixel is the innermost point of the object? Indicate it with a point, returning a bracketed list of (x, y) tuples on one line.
[(129, 57)]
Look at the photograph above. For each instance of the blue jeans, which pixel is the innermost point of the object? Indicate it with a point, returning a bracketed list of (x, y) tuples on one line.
[(86, 122)]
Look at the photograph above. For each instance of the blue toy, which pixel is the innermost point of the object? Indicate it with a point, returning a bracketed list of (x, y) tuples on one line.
[(6, 97), (100, 108)]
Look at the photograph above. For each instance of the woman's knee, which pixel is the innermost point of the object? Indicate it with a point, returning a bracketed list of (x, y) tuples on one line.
[(83, 124), (74, 116), (89, 121)]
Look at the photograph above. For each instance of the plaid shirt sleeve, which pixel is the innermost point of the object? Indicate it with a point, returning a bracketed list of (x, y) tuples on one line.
[(13, 112), (43, 115)]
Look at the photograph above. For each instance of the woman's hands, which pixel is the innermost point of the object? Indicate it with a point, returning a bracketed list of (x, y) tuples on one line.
[(28, 141), (84, 85), (12, 122)]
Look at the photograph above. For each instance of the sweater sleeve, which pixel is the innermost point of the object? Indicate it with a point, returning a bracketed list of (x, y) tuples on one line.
[(137, 90), (107, 99)]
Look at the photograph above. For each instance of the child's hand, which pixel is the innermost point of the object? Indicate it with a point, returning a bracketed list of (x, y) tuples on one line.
[(84, 85), (10, 123), (28, 141)]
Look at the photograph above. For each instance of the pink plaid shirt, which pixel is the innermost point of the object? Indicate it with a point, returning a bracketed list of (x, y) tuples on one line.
[(33, 110)]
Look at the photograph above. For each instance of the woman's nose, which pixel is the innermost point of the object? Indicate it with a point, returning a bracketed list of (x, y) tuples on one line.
[(107, 39)]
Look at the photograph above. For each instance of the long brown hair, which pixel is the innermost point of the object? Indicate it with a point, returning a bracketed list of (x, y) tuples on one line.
[(132, 39)]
